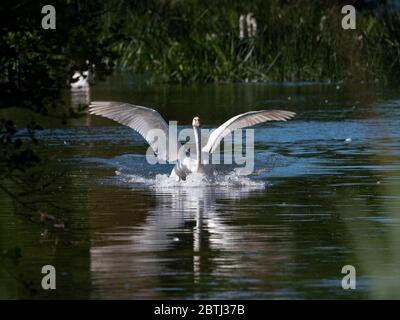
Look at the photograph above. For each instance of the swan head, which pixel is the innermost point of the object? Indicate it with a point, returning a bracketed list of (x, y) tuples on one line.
[(196, 122)]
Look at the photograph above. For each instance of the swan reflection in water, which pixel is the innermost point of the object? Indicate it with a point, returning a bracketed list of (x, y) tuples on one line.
[(179, 235)]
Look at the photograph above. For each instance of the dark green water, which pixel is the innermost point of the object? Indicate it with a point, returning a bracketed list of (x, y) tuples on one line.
[(325, 193)]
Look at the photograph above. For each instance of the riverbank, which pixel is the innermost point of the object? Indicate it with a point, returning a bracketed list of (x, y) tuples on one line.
[(198, 41)]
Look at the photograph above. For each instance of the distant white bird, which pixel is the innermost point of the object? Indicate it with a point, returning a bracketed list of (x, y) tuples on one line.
[(80, 80), (83, 79), (144, 120)]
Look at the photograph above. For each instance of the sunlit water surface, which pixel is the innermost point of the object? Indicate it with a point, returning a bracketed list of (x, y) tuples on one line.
[(324, 194)]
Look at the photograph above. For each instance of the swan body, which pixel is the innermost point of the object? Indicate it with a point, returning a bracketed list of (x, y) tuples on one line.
[(144, 120), (80, 80)]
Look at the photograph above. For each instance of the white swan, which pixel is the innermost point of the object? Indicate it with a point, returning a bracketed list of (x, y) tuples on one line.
[(144, 120), (80, 80)]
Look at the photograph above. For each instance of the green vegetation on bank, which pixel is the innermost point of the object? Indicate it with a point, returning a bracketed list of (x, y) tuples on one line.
[(193, 40), (35, 66)]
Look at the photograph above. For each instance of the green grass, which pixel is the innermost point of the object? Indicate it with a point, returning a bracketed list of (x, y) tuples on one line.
[(194, 40)]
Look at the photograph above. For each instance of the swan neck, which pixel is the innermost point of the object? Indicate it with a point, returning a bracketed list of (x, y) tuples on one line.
[(197, 138)]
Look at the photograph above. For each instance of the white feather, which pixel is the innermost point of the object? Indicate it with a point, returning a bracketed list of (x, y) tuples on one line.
[(140, 119), (244, 120)]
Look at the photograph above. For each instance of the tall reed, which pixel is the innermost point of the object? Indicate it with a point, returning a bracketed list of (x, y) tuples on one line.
[(196, 40)]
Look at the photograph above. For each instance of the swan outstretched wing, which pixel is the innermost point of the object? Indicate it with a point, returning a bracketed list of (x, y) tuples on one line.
[(242, 121), (141, 119)]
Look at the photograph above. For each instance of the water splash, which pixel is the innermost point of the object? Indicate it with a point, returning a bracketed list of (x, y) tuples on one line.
[(194, 180)]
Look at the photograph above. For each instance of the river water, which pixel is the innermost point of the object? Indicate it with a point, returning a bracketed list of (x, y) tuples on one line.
[(325, 193)]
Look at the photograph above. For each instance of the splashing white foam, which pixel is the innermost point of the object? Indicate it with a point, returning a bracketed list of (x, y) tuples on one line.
[(193, 180)]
